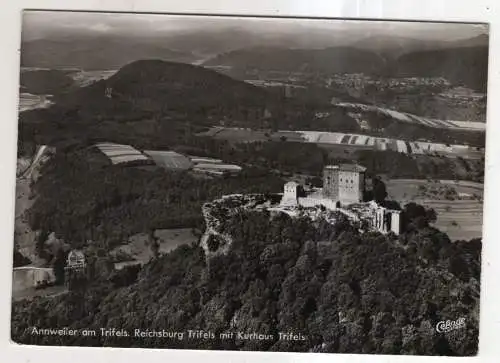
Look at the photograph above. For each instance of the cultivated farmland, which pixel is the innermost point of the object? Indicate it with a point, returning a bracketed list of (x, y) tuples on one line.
[(347, 141), (459, 205), (410, 118), (119, 154), (169, 159)]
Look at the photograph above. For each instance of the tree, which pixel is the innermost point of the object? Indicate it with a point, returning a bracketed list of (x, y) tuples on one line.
[(431, 215), (41, 238), (20, 260), (58, 266), (418, 216), (379, 190), (154, 245)]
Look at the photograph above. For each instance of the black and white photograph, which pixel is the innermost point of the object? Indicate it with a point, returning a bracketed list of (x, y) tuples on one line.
[(239, 183)]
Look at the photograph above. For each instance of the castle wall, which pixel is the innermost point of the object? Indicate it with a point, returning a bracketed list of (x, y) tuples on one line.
[(386, 220), (396, 222), (349, 214), (312, 202)]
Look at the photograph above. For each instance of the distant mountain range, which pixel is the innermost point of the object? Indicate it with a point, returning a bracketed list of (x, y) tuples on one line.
[(461, 61), (90, 53), (394, 47)]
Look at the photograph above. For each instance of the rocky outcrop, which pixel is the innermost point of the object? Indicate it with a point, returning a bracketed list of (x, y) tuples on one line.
[(215, 241)]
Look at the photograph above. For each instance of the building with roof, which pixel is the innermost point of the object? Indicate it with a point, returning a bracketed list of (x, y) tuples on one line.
[(75, 270)]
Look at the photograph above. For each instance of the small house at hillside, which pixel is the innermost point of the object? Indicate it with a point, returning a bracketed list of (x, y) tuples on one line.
[(75, 259), (75, 272)]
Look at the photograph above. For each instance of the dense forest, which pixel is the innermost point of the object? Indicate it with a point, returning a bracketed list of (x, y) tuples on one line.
[(81, 197), (343, 291)]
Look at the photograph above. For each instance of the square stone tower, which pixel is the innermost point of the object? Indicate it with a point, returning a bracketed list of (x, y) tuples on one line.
[(344, 183), (331, 182)]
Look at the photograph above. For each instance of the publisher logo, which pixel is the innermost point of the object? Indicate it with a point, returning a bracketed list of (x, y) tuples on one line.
[(446, 326)]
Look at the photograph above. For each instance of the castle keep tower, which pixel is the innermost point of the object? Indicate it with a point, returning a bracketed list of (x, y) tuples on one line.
[(331, 182), (344, 183)]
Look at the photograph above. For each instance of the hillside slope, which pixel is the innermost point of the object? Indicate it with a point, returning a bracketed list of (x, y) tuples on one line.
[(45, 82), (328, 60), (465, 65)]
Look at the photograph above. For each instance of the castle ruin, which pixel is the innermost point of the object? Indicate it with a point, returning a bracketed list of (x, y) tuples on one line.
[(344, 190)]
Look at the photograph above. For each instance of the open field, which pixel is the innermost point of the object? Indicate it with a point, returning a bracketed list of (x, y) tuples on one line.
[(118, 154), (138, 251), (460, 218), (409, 118), (360, 141), (25, 278), (28, 101), (85, 78), (169, 159), (347, 141)]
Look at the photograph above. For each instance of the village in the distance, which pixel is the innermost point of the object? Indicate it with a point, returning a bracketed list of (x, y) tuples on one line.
[(253, 187)]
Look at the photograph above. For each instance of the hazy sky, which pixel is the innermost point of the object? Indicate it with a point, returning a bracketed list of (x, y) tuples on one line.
[(40, 24)]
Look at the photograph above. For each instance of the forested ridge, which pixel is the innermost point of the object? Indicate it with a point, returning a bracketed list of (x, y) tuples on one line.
[(344, 291)]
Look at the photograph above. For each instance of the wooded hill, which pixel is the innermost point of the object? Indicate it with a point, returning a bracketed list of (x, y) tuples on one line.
[(345, 292)]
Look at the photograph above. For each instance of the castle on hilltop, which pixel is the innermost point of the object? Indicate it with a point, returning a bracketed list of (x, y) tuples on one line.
[(344, 190)]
